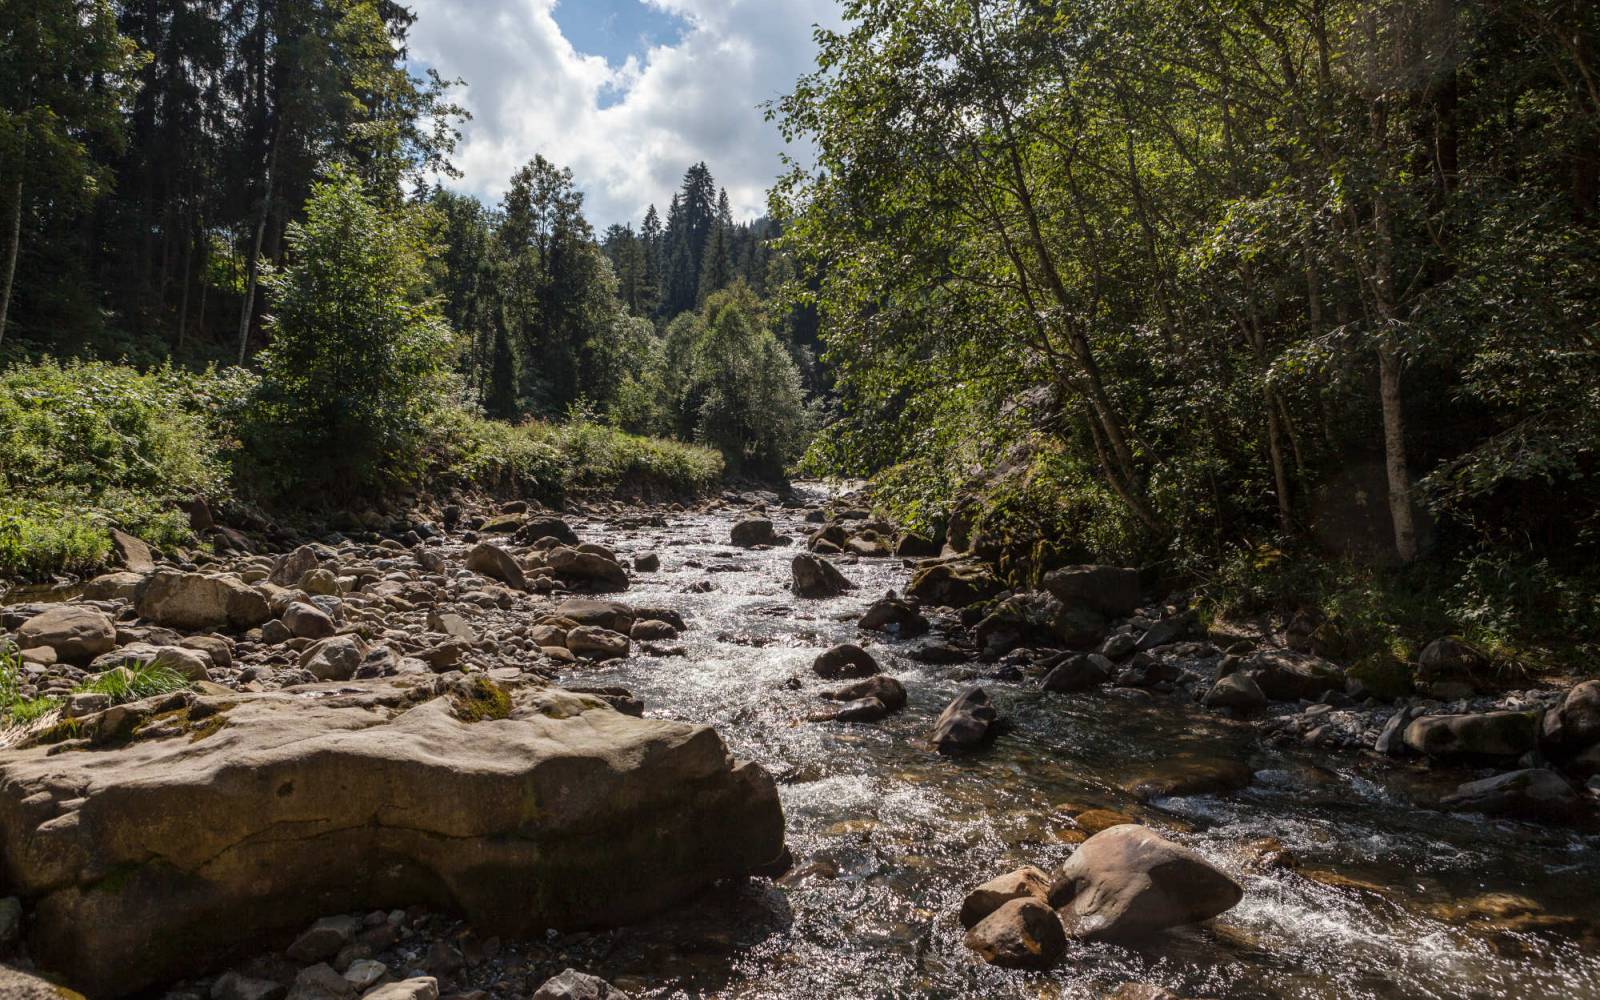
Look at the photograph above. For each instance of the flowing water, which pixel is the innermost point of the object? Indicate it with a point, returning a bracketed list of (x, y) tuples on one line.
[(894, 835)]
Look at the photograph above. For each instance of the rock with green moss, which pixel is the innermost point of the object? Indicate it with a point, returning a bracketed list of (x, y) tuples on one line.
[(1382, 675), (522, 808)]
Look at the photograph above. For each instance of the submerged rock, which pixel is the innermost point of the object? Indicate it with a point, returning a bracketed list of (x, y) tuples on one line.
[(521, 809), (1533, 793), (881, 687), (1180, 776), (1129, 882)]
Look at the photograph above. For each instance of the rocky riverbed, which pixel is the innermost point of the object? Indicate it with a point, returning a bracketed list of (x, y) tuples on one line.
[(476, 804)]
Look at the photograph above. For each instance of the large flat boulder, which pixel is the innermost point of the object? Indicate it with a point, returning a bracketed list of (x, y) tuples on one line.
[(166, 835), (1111, 590), (197, 602)]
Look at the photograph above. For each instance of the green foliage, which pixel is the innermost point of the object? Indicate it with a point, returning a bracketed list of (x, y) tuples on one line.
[(721, 378), (133, 681), (359, 351), (87, 445), (469, 452)]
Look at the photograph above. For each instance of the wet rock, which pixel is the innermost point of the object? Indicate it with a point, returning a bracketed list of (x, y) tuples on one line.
[(938, 653), (1487, 734), (648, 562), (1128, 882), (575, 985), (897, 617), (1142, 991), (1238, 692), (753, 531), (868, 546), (953, 585), (1021, 934), (968, 723), (1533, 793), (1285, 675), (589, 570), (859, 710), (594, 643), (1077, 673), (75, 633), (195, 602), (651, 631), (612, 615), (816, 577), (1181, 776), (367, 796), (497, 564), (1024, 883), (1391, 741), (845, 660), (1110, 590), (881, 687)]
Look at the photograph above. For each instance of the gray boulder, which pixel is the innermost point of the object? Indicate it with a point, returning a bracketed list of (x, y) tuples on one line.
[(76, 633), (1128, 882), (196, 602), (1485, 734)]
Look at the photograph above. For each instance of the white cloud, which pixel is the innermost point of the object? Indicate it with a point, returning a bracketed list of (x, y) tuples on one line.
[(698, 99)]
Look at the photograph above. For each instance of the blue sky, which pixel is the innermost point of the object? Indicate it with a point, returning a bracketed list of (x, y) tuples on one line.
[(628, 93)]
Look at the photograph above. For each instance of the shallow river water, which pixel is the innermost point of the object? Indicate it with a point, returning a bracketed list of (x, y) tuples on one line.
[(895, 835)]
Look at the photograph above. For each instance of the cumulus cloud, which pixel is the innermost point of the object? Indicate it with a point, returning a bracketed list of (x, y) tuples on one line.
[(628, 132)]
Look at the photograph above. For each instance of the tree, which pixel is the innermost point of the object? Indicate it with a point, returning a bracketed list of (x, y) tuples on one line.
[(64, 72), (359, 350)]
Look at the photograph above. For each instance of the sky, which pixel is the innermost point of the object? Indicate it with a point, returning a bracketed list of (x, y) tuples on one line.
[(628, 93)]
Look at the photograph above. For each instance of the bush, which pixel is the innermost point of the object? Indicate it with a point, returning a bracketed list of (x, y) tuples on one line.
[(88, 445), (359, 352)]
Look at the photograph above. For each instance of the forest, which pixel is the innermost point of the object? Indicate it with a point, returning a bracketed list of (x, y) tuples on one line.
[(1090, 499), (1251, 296)]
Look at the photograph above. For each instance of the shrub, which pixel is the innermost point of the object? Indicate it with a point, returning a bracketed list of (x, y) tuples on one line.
[(87, 445), (359, 352)]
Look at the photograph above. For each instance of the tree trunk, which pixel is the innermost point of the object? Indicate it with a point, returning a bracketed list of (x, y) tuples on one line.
[(13, 242), (247, 312), (1394, 447)]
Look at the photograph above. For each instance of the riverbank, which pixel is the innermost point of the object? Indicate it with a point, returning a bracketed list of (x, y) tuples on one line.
[(1358, 878), (89, 450)]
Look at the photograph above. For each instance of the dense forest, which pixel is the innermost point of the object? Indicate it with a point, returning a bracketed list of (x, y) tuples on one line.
[(1247, 286), (1240, 294)]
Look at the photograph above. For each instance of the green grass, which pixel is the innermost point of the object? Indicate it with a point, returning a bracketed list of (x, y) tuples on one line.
[(132, 682)]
